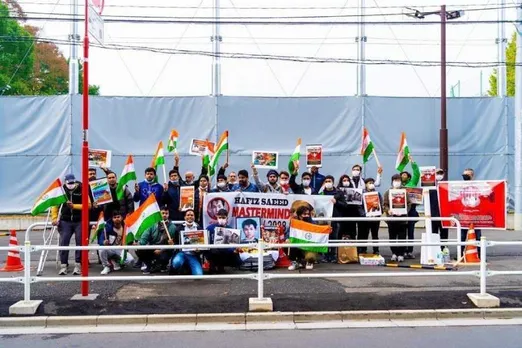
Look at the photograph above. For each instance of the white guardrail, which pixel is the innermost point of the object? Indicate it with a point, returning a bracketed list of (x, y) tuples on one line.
[(27, 279)]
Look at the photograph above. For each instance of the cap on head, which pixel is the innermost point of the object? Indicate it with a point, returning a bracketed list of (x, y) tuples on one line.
[(272, 172), (69, 178), (367, 180)]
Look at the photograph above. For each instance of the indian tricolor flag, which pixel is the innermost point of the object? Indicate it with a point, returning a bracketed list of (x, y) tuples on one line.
[(100, 226), (294, 157), (403, 155), (159, 157), (220, 148), (209, 154), (128, 174), (367, 146), (306, 233), (143, 218), (173, 141), (54, 195)]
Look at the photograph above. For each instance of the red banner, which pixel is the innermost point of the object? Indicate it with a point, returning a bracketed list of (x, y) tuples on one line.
[(481, 203)]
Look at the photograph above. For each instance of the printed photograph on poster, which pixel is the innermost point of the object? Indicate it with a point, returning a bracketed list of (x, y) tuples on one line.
[(226, 235), (250, 228), (100, 158), (198, 147), (428, 176), (372, 204), (481, 203), (352, 196), (398, 204), (314, 156), (265, 159), (186, 200), (194, 238), (214, 205), (101, 192), (415, 195), (270, 234)]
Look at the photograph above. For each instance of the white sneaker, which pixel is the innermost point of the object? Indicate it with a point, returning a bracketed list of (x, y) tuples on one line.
[(401, 258), (63, 270), (394, 257), (309, 265), (106, 270), (144, 267), (77, 269), (293, 266), (116, 266)]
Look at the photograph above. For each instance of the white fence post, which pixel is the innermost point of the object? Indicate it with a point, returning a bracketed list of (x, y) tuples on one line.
[(483, 273), (27, 270), (260, 275)]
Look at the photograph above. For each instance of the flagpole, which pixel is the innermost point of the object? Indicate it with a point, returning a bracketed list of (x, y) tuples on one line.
[(85, 157), (166, 229), (376, 159), (164, 174)]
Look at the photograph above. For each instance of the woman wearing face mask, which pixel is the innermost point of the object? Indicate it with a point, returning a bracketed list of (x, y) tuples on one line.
[(397, 230), (368, 226), (347, 228)]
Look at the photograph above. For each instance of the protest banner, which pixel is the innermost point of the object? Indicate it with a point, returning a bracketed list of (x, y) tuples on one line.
[(427, 176), (398, 204), (265, 159), (273, 209), (198, 147), (353, 196), (481, 203), (314, 155), (224, 235), (186, 198), (194, 238), (372, 204), (101, 192), (415, 195), (100, 158)]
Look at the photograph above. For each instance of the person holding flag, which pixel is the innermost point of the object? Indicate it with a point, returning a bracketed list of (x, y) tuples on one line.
[(123, 205), (111, 234), (149, 186)]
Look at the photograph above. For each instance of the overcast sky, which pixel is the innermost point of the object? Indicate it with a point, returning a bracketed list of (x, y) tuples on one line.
[(152, 74)]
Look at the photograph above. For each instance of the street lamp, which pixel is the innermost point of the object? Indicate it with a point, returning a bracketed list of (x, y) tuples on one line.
[(444, 16)]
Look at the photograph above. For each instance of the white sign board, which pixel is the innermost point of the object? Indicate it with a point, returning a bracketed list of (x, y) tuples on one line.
[(95, 25)]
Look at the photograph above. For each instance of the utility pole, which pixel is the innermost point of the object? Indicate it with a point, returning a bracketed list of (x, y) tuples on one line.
[(74, 38), (443, 132), (361, 51), (518, 122), (501, 42), (216, 49)]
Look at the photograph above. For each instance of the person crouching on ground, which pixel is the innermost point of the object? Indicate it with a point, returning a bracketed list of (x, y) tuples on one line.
[(219, 258), (162, 233), (111, 235), (297, 255), (183, 259)]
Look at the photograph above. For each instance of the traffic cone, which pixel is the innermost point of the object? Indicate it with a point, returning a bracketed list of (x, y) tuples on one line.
[(471, 252), (13, 263), (283, 261)]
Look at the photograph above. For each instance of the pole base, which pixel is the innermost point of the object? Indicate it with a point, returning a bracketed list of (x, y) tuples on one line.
[(25, 307), (89, 297), (484, 301), (260, 305)]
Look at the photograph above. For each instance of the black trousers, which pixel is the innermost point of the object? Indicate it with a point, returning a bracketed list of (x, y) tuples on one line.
[(398, 231), (148, 257), (364, 233), (218, 259)]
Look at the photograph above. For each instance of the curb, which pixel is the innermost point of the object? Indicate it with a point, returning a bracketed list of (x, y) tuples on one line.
[(258, 318)]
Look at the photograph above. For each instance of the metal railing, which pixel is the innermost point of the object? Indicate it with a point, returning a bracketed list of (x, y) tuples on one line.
[(260, 276)]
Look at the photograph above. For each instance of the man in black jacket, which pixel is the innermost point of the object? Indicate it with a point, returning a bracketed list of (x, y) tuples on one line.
[(124, 206), (305, 188), (436, 226)]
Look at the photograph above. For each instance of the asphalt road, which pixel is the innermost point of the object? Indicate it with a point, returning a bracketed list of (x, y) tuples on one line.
[(426, 337)]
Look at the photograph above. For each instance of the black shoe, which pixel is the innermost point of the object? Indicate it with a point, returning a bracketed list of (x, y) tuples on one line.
[(137, 264)]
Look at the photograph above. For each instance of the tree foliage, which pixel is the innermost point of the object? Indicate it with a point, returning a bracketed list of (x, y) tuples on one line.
[(511, 52)]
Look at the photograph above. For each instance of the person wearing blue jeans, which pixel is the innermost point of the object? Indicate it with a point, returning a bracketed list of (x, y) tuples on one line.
[(186, 259)]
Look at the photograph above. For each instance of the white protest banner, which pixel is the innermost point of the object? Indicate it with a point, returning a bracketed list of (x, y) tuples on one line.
[(273, 209)]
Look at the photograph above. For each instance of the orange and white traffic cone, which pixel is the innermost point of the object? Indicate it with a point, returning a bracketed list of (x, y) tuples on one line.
[(13, 263), (283, 261), (471, 251)]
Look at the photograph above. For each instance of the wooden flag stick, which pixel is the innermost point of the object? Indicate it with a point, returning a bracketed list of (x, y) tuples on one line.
[(376, 159), (166, 229)]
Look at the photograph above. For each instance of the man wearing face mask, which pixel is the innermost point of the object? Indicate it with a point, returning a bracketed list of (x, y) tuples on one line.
[(372, 226), (68, 219), (397, 229), (221, 185), (359, 183), (436, 226), (171, 197), (244, 185), (468, 175), (305, 187), (219, 258), (147, 187)]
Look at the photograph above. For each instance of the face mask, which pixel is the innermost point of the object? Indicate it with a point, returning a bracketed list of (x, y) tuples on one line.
[(371, 186), (222, 222), (306, 182), (307, 219), (328, 185), (396, 184), (439, 177), (355, 173), (221, 184), (70, 186), (466, 177), (346, 183), (283, 182), (174, 182)]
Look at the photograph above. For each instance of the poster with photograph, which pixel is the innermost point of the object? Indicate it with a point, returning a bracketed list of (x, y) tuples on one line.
[(428, 176), (194, 238), (481, 203), (101, 192), (198, 147), (100, 158), (353, 196), (398, 201), (372, 204), (265, 159), (224, 235), (272, 234), (250, 229), (314, 156), (415, 195), (186, 200)]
